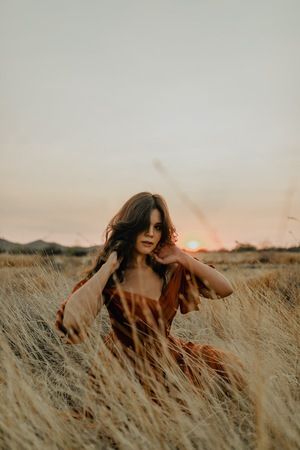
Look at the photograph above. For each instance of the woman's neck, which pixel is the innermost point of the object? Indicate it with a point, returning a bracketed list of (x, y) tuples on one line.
[(138, 261)]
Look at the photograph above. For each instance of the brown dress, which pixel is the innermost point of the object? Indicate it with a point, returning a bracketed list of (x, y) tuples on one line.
[(141, 327)]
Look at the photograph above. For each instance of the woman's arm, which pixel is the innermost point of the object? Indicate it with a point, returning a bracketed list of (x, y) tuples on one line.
[(83, 305), (213, 279)]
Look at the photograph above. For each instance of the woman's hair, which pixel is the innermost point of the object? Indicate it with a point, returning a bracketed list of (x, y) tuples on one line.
[(123, 228)]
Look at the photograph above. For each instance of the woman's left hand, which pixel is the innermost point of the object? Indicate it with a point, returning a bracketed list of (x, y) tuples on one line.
[(167, 254)]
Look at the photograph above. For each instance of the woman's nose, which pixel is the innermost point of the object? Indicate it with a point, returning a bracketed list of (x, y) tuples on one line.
[(150, 231)]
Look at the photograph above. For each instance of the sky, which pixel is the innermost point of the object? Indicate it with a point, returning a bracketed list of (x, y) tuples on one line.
[(197, 101)]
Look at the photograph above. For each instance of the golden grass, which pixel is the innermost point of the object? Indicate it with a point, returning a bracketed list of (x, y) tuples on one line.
[(41, 379)]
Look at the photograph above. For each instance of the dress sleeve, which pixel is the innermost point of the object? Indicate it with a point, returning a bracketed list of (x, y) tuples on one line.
[(80, 318), (191, 287)]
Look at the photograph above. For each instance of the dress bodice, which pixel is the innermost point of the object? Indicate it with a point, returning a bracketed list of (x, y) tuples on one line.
[(137, 317)]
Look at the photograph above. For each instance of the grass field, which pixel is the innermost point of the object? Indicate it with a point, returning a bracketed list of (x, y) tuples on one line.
[(41, 379)]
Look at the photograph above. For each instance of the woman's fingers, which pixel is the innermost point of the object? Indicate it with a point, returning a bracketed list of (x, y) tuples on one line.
[(158, 259)]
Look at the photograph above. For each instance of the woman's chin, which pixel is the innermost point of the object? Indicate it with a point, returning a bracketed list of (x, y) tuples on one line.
[(145, 251)]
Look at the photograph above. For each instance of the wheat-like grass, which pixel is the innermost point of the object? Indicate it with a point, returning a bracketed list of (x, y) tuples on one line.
[(42, 380)]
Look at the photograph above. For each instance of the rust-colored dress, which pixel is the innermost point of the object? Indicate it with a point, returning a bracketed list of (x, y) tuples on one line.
[(141, 326)]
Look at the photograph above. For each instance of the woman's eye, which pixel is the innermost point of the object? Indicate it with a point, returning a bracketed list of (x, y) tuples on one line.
[(158, 227)]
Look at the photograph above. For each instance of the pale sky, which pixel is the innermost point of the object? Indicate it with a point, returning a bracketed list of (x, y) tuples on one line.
[(198, 101)]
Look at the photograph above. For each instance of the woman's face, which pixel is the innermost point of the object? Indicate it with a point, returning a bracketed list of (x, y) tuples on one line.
[(152, 235)]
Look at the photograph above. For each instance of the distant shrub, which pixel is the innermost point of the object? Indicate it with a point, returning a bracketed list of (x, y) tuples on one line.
[(264, 258), (51, 250), (19, 251), (240, 247), (294, 249), (76, 251)]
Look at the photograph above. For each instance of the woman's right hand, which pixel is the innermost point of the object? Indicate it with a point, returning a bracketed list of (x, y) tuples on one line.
[(113, 262)]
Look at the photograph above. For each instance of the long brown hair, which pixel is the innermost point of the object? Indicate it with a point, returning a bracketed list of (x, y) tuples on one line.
[(123, 228)]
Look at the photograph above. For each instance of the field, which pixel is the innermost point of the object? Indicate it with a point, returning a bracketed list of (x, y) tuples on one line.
[(41, 379)]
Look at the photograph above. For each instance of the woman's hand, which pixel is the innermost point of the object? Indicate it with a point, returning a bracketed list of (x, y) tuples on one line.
[(113, 262), (168, 254)]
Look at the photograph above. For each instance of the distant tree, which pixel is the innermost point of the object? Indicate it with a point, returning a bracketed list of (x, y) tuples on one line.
[(244, 247)]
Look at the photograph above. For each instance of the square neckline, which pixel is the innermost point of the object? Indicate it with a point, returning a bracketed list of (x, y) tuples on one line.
[(135, 294)]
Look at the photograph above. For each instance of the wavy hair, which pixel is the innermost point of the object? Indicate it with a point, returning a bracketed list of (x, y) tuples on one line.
[(122, 230)]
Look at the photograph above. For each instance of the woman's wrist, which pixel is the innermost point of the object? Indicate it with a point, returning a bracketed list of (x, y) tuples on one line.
[(182, 257), (108, 267), (185, 259)]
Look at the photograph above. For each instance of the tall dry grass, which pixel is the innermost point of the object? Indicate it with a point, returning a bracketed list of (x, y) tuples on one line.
[(42, 380)]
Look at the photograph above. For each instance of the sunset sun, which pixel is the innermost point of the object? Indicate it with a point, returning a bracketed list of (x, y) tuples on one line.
[(192, 244)]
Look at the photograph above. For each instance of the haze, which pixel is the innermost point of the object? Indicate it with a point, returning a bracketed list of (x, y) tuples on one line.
[(197, 101)]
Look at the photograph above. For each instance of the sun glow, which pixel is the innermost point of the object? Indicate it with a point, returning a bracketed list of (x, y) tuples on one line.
[(192, 245), (191, 241)]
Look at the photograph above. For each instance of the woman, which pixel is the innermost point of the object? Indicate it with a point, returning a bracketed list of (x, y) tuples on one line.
[(143, 278)]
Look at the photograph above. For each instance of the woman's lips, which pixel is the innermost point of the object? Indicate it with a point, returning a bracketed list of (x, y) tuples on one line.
[(147, 244)]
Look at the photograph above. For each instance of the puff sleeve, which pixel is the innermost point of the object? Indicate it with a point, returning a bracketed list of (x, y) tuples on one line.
[(60, 313), (190, 289)]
